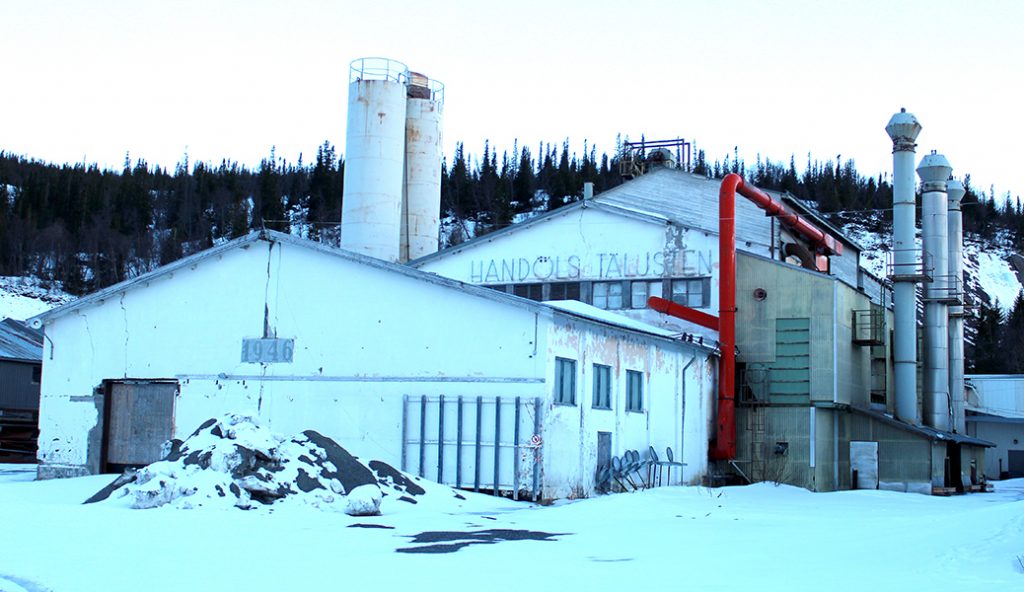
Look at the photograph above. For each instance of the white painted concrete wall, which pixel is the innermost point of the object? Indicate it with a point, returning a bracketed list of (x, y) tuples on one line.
[(667, 419), (364, 337)]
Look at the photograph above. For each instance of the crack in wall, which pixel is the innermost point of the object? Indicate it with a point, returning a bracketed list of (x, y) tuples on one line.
[(124, 313)]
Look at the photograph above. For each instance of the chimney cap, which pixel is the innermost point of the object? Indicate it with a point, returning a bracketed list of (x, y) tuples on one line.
[(903, 128), (954, 191), (934, 168)]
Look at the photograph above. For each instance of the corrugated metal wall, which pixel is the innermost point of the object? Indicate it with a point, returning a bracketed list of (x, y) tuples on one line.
[(904, 458), (781, 452), (17, 391)]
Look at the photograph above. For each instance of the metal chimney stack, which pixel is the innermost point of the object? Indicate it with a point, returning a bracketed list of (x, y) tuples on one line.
[(955, 193), (934, 171), (903, 128)]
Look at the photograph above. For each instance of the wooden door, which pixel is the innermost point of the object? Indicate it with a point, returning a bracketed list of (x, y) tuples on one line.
[(141, 419)]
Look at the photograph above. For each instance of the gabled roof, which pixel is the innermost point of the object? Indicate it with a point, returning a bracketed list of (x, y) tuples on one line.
[(278, 237), (19, 342), (663, 196), (565, 210)]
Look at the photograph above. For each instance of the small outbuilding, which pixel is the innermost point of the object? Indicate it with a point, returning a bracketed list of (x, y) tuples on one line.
[(461, 384), (995, 412), (20, 371)]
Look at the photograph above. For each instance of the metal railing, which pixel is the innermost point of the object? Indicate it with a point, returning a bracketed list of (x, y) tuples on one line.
[(421, 87), (918, 269), (869, 326), (945, 288), (378, 69)]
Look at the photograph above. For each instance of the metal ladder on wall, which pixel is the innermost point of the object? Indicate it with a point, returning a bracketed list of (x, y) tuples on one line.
[(756, 427)]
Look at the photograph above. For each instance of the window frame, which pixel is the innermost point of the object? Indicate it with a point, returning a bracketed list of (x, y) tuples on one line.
[(634, 391), (598, 382), (647, 292), (705, 291), (560, 375), (622, 295)]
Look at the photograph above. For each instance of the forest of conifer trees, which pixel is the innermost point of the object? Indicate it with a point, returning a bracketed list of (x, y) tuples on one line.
[(87, 227)]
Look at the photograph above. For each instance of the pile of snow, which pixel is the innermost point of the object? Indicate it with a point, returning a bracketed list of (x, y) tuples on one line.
[(24, 297), (235, 461)]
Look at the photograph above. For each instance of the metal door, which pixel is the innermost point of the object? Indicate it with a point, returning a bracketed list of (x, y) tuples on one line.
[(141, 419), (1015, 463), (604, 449), (864, 464)]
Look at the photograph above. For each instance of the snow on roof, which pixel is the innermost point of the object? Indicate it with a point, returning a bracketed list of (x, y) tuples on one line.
[(273, 236), (18, 342), (608, 317)]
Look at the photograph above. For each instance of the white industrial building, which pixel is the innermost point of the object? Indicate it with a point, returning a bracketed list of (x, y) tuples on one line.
[(814, 389), (523, 361), (995, 412), (362, 350)]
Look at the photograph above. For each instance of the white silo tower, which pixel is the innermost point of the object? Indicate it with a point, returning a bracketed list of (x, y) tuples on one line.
[(424, 115), (371, 214)]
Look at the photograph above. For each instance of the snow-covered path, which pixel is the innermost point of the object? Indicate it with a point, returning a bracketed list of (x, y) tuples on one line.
[(759, 537)]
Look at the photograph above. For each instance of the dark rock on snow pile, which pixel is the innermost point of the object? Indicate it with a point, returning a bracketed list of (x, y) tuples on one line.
[(234, 461)]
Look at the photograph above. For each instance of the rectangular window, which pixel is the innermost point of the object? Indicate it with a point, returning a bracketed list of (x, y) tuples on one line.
[(641, 291), (694, 293), (602, 386), (531, 291), (37, 374), (634, 391), (608, 295), (565, 381), (565, 291)]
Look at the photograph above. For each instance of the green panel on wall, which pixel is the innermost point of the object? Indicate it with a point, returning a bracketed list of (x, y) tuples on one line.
[(790, 374)]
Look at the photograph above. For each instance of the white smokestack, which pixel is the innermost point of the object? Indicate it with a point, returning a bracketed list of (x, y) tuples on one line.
[(374, 158), (934, 170), (903, 128), (955, 193)]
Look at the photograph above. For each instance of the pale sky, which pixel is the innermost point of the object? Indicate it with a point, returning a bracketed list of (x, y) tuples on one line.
[(229, 79)]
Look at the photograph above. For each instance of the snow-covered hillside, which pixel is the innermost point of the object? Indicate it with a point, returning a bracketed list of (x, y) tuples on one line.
[(24, 297), (990, 278)]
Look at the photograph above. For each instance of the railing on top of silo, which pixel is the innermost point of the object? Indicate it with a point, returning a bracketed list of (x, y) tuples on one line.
[(378, 69)]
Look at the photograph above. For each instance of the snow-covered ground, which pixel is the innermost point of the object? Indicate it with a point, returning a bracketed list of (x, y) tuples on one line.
[(22, 297), (759, 537)]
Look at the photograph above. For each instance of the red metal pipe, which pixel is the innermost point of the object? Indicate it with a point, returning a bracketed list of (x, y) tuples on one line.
[(725, 436), (683, 312), (823, 243), (724, 445)]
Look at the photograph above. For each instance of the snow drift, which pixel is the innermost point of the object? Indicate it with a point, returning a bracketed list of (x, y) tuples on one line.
[(235, 461)]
